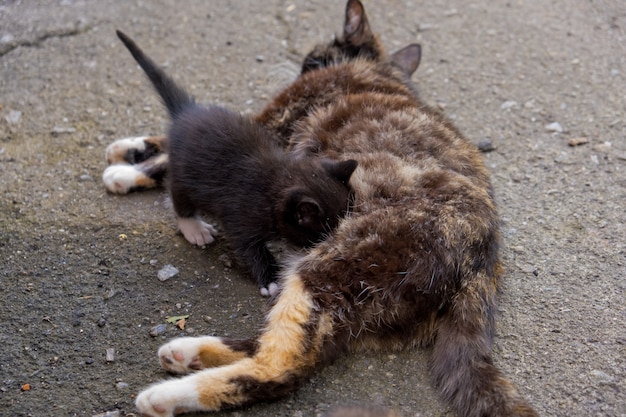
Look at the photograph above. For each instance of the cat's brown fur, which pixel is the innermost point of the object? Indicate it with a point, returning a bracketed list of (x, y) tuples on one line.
[(415, 264)]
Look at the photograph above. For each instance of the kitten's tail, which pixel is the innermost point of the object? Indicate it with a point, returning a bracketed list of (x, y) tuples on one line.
[(175, 98)]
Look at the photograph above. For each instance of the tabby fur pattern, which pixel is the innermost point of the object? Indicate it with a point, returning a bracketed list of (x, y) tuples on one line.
[(415, 264)]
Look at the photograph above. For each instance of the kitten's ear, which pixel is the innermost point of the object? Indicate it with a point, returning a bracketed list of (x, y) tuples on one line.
[(356, 29), (340, 170), (408, 58), (308, 212)]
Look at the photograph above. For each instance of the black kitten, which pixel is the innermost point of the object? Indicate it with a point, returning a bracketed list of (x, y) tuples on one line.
[(228, 166)]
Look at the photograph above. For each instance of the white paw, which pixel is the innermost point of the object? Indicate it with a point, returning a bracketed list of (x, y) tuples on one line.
[(120, 179), (182, 355), (271, 290), (169, 398), (116, 152), (196, 231)]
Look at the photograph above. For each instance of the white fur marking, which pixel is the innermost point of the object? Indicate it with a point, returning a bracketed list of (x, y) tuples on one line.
[(271, 290), (119, 179), (181, 355), (169, 397), (196, 231)]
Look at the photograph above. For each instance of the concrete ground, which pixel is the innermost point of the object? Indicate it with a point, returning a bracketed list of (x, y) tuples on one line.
[(78, 267)]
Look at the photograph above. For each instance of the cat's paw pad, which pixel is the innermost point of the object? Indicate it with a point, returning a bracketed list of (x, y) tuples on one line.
[(196, 231), (181, 356), (119, 151), (121, 179), (168, 398), (271, 290)]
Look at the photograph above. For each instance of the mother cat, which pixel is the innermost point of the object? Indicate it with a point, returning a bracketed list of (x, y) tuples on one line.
[(416, 263)]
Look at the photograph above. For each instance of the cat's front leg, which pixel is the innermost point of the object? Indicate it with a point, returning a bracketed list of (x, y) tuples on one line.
[(196, 231), (262, 264), (134, 150), (169, 398), (124, 178), (206, 390), (284, 353)]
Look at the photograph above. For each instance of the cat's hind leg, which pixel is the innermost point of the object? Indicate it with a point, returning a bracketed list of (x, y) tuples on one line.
[(285, 352)]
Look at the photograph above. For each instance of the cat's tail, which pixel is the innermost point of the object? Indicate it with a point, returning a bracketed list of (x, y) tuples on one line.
[(175, 98), (462, 365)]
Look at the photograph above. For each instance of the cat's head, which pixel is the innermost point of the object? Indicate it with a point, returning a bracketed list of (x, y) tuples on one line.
[(313, 206), (359, 42)]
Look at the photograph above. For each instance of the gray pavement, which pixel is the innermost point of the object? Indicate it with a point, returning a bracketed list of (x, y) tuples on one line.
[(78, 267)]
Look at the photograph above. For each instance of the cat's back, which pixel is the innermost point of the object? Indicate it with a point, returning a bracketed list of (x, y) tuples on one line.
[(370, 111), (217, 133), (421, 187)]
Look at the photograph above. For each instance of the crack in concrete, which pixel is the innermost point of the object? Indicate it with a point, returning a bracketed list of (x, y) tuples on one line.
[(7, 47)]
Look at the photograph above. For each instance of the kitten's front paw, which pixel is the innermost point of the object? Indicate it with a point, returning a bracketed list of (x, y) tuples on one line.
[(196, 231), (168, 398), (271, 290), (182, 355)]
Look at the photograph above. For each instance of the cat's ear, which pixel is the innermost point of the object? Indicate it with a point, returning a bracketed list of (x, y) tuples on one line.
[(356, 29), (408, 58), (340, 170), (308, 212)]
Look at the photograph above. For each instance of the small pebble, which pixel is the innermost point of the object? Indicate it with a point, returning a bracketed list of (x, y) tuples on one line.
[(167, 272), (121, 385), (423, 27), (110, 355), (486, 146), (89, 361), (157, 330), (225, 260), (601, 376), (153, 262), (603, 147), (109, 294), (13, 117), (554, 127), (57, 130), (7, 38), (260, 58), (508, 104), (114, 413), (102, 322), (577, 141)]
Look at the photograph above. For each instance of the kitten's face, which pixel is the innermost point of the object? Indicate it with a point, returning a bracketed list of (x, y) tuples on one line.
[(313, 207)]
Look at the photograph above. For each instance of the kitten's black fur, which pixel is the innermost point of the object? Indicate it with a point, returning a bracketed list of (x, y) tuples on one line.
[(230, 167)]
